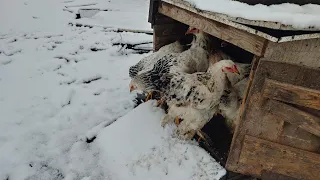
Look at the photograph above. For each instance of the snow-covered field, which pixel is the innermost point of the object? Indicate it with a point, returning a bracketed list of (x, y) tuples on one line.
[(65, 107)]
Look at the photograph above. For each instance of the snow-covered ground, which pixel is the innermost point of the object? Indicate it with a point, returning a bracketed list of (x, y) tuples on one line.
[(63, 86)]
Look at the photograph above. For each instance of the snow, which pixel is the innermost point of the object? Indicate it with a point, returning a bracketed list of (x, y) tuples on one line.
[(64, 89), (304, 16), (124, 20)]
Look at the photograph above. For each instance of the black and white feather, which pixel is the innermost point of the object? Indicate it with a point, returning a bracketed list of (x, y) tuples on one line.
[(148, 62)]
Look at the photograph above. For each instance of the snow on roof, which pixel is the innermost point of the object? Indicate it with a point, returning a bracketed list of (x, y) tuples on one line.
[(299, 17)]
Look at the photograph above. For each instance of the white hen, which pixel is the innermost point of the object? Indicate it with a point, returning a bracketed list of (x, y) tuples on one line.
[(195, 98)]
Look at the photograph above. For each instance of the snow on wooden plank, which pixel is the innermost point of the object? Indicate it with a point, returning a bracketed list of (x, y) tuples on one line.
[(250, 42), (222, 19), (284, 16), (242, 23)]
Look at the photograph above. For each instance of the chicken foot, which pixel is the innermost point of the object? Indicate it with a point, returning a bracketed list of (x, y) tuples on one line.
[(160, 102), (149, 96)]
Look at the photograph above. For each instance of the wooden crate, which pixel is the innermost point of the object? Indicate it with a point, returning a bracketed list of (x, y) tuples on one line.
[(278, 136)]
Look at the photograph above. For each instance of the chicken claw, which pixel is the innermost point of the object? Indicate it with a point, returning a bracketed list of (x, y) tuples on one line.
[(160, 102), (166, 119), (149, 96), (184, 131), (177, 121)]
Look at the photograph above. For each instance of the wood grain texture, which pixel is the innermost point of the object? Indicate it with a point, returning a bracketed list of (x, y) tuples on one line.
[(176, 29), (291, 94), (257, 121), (296, 137), (294, 116), (270, 156), (167, 33), (304, 52), (267, 175), (240, 38)]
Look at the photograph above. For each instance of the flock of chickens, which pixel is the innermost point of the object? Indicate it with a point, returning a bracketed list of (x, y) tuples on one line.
[(196, 83)]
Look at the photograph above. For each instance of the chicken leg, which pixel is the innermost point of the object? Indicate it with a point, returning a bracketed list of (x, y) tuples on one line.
[(177, 120), (160, 101), (149, 96)]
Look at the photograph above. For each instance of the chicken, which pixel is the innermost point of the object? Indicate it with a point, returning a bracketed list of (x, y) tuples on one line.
[(195, 59), (193, 97), (147, 63)]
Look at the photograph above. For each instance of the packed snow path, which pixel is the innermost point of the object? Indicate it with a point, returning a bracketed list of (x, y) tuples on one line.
[(61, 88)]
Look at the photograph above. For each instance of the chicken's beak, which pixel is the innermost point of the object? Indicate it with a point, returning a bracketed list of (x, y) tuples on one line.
[(132, 88), (192, 31), (235, 69), (188, 32)]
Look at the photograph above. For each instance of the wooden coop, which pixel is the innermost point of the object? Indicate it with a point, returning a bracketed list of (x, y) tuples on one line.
[(278, 136)]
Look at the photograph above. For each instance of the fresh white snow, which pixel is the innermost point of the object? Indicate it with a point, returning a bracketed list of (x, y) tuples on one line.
[(137, 147), (289, 14), (64, 89)]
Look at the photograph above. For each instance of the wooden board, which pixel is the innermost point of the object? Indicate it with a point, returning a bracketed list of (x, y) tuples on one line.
[(259, 121), (294, 116), (306, 52), (291, 94), (266, 155), (250, 42), (166, 31)]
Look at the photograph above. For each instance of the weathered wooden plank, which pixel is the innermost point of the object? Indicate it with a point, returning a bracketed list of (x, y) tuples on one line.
[(267, 175), (292, 94), (240, 38), (177, 29), (296, 137), (277, 158), (258, 122), (162, 19), (167, 33), (294, 116), (304, 52)]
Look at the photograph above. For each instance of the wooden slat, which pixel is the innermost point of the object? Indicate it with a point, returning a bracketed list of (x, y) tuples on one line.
[(294, 116), (164, 34), (240, 38), (177, 29), (256, 121), (292, 94), (267, 175), (266, 155), (303, 52)]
